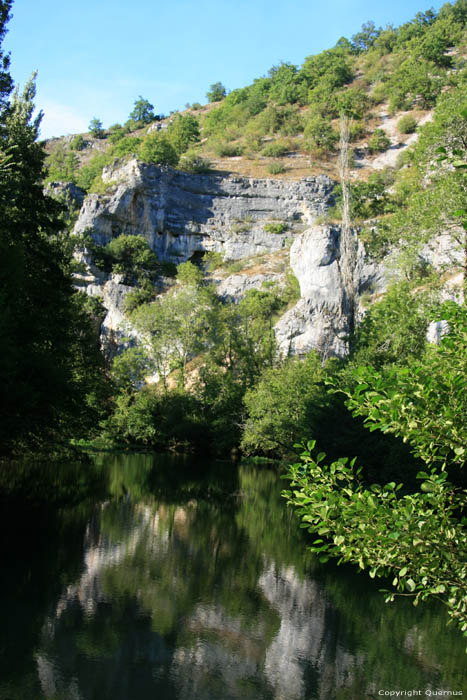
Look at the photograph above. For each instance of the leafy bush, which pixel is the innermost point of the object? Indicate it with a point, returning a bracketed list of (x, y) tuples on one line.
[(276, 168), (125, 146), (62, 165), (378, 142), (192, 162), (91, 170), (212, 260), (156, 148), (228, 150), (276, 149), (183, 132), (276, 227), (128, 255), (78, 143), (407, 124), (319, 135), (285, 403)]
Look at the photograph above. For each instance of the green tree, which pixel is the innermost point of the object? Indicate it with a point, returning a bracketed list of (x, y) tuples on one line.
[(50, 373), (143, 111), (127, 255), (95, 128), (176, 328), (216, 92), (183, 132), (286, 403), (62, 165), (157, 148), (418, 537)]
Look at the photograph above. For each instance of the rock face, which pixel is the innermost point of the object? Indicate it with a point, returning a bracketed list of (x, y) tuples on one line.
[(321, 319), (183, 215)]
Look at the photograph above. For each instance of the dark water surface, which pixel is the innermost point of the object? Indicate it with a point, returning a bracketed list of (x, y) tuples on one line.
[(168, 579)]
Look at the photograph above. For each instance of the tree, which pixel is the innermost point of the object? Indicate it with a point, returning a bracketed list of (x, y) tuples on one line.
[(156, 148), (365, 39), (285, 404), (49, 370), (183, 132), (216, 92), (175, 328), (418, 538), (143, 111), (95, 128)]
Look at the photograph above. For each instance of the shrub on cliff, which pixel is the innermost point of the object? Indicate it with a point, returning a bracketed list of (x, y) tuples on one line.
[(156, 148)]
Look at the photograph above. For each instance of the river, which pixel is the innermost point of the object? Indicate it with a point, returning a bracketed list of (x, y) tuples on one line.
[(147, 577)]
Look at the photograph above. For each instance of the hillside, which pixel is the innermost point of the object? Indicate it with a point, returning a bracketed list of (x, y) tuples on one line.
[(287, 123)]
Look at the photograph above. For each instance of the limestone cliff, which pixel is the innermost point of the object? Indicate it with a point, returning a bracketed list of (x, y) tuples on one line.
[(183, 216)]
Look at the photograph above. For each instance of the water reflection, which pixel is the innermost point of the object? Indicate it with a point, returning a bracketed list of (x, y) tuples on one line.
[(193, 582)]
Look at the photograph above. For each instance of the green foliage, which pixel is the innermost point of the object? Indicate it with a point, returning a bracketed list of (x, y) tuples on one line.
[(95, 128), (143, 112), (415, 80), (125, 146), (78, 143), (329, 69), (142, 294), (366, 38), (319, 135), (416, 538), (127, 255), (228, 150), (92, 170), (368, 199), (407, 124), (276, 168), (378, 142), (276, 149), (190, 274), (183, 132), (393, 329), (176, 327), (424, 401), (62, 165), (276, 227), (51, 375), (216, 92), (287, 85), (212, 260), (192, 162), (286, 403), (157, 148)]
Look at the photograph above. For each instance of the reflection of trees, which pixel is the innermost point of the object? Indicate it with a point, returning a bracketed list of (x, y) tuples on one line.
[(195, 584)]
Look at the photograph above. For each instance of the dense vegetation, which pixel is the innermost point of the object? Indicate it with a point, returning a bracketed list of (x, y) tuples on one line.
[(51, 375), (206, 374)]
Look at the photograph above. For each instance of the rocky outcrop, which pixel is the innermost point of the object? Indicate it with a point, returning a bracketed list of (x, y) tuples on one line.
[(321, 318), (67, 191), (182, 214)]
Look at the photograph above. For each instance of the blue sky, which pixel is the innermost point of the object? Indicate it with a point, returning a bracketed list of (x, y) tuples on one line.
[(95, 57)]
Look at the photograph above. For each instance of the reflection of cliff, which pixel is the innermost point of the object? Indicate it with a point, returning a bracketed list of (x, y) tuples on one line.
[(205, 601), (306, 644), (102, 554)]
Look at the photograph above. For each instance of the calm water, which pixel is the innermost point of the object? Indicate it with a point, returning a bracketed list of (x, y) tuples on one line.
[(168, 580)]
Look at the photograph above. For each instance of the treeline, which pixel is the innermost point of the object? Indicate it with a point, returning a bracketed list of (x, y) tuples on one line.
[(51, 374)]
